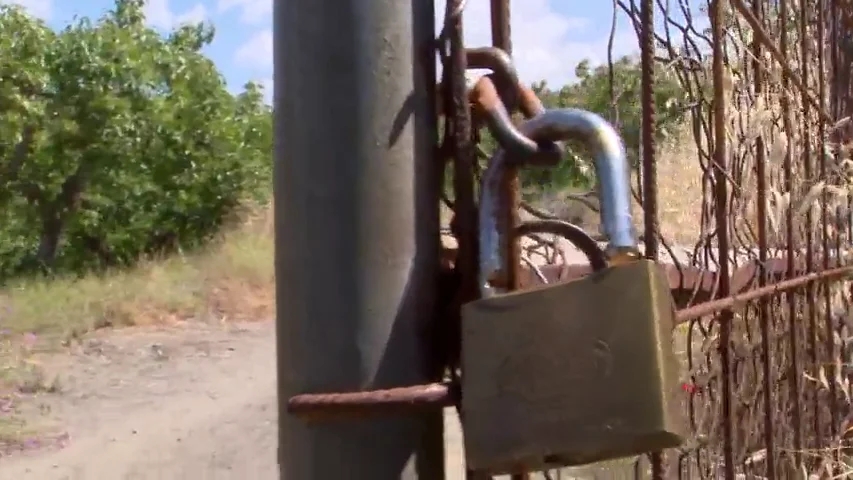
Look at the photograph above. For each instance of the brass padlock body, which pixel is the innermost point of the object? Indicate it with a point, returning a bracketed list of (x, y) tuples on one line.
[(571, 374)]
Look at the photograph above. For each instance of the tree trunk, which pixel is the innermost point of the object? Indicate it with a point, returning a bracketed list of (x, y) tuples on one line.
[(51, 233), (55, 214)]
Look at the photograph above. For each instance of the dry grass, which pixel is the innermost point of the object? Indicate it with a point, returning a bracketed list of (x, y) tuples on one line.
[(233, 279), (679, 190), (230, 280), (679, 194)]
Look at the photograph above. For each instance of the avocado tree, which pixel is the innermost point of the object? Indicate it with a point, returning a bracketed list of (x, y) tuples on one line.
[(117, 141)]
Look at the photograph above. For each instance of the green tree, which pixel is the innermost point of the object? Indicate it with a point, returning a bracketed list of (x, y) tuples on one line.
[(116, 141)]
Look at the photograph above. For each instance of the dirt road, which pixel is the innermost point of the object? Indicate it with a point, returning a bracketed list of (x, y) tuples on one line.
[(194, 402), (191, 402)]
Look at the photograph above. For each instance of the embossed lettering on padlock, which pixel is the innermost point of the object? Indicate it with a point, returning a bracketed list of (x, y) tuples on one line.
[(578, 372)]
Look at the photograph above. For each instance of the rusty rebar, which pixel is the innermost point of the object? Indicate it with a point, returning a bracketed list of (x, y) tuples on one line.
[(833, 61), (733, 301), (465, 220), (762, 36), (647, 104), (794, 378), (464, 158), (510, 188), (717, 13), (810, 267), (829, 340), (331, 406), (763, 305), (649, 164)]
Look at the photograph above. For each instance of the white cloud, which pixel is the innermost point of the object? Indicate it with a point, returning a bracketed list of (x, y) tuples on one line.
[(541, 39), (251, 11), (543, 45), (159, 14), (38, 8), (257, 51)]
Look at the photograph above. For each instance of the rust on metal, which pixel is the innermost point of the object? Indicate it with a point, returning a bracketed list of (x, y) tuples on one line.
[(763, 303), (717, 12), (513, 92), (715, 306), (528, 101), (811, 311), (649, 165), (762, 36), (516, 94), (329, 406), (484, 96), (829, 328), (510, 185), (573, 233), (462, 148), (500, 63)]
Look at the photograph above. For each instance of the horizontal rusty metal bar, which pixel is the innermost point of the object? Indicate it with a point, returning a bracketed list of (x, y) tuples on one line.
[(325, 406), (714, 306), (688, 284)]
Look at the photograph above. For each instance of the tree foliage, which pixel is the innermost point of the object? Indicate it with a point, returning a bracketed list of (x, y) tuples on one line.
[(117, 141)]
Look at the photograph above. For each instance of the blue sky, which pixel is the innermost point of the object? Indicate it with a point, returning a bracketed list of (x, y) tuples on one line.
[(549, 36)]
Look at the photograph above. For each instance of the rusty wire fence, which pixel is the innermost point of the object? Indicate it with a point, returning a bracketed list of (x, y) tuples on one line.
[(764, 321)]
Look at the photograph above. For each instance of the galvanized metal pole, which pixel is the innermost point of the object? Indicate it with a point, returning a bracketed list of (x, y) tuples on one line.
[(356, 213)]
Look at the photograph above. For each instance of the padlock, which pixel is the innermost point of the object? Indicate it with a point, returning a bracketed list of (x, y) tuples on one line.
[(578, 372)]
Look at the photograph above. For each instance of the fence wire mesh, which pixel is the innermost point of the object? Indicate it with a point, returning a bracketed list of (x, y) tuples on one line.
[(764, 322), (766, 375)]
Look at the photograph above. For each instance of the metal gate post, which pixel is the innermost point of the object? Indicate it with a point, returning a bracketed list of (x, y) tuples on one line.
[(356, 227)]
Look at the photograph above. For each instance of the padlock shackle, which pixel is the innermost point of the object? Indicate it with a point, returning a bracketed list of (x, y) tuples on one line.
[(612, 172)]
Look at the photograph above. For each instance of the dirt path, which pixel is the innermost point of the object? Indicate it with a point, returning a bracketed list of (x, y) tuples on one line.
[(193, 402)]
